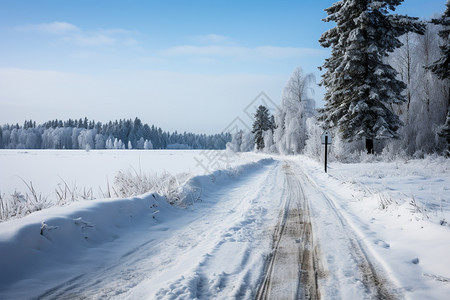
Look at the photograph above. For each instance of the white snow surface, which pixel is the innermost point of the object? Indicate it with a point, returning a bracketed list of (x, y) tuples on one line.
[(144, 248), (410, 243), (48, 168)]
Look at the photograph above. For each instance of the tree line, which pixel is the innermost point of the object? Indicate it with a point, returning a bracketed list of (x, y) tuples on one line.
[(88, 134)]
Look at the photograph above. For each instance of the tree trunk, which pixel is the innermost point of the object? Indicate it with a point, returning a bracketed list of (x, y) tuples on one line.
[(369, 146)]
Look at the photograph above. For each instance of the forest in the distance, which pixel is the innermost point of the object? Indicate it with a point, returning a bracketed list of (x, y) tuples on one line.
[(85, 134)]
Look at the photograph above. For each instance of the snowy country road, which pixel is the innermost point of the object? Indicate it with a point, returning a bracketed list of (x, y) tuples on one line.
[(323, 259), (291, 271), (269, 233), (345, 268)]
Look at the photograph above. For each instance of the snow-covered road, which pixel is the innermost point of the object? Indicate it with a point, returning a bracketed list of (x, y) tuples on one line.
[(271, 231), (291, 271), (316, 254), (345, 268)]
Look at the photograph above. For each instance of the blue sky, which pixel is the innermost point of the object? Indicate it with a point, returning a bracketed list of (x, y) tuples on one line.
[(181, 65)]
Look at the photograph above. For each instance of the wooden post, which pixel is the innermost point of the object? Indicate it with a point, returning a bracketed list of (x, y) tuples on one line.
[(326, 138), (369, 146), (326, 144)]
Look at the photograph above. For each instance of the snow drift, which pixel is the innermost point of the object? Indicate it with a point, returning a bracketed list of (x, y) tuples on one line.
[(54, 244)]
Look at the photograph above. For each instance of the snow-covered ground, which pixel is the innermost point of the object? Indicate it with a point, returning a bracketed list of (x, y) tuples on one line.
[(378, 229), (144, 247), (48, 168), (400, 212)]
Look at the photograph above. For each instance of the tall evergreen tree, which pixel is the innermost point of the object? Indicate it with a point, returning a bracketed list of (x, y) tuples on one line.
[(441, 67), (361, 88), (260, 125)]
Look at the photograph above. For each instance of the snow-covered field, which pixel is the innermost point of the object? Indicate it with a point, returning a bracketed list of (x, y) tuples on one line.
[(377, 229), (48, 168)]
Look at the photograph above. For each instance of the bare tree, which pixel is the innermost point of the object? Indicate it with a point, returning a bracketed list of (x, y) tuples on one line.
[(424, 110), (297, 105)]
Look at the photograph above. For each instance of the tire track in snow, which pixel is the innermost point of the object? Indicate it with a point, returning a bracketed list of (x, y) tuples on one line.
[(291, 271), (376, 286), (264, 289)]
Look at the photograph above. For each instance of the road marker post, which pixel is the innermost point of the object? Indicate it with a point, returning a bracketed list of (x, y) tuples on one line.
[(326, 139)]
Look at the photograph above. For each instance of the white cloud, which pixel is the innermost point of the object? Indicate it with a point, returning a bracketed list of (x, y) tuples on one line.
[(58, 28), (130, 42), (84, 54), (287, 52), (150, 60), (91, 39), (263, 52), (211, 39), (73, 34), (189, 50)]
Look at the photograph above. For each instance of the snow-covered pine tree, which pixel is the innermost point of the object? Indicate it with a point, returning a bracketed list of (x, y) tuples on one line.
[(262, 123), (140, 143), (441, 67), (236, 141), (148, 145), (268, 135), (361, 87), (269, 146), (1, 137), (445, 132), (109, 143), (248, 142)]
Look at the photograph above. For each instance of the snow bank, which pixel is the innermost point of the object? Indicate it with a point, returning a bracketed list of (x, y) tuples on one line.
[(52, 245), (190, 191), (61, 236)]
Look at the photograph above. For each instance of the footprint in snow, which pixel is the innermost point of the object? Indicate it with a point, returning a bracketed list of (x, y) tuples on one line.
[(83, 224), (382, 243)]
